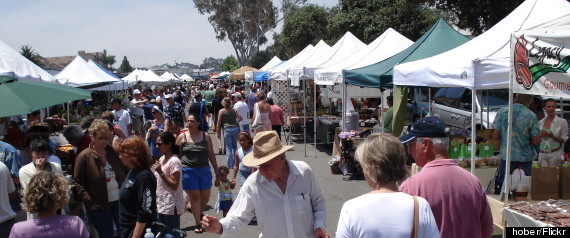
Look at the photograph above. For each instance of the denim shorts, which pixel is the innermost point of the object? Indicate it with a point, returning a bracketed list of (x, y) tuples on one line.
[(196, 178)]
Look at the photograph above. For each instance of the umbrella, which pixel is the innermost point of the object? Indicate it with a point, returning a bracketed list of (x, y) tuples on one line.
[(239, 74), (21, 97)]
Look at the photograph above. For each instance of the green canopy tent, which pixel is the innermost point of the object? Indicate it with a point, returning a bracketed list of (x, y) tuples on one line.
[(439, 38), (22, 97)]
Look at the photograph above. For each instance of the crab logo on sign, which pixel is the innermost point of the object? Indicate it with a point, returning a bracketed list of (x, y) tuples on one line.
[(549, 60)]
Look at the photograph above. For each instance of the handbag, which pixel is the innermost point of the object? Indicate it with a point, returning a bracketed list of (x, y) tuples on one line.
[(257, 122), (415, 228)]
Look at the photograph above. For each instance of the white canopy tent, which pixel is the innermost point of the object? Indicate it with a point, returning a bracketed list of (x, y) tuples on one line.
[(321, 50), (342, 49), (171, 76), (80, 74), (386, 45), (483, 62), (187, 77), (540, 62), (149, 77), (22, 68), (134, 76), (272, 63), (280, 72)]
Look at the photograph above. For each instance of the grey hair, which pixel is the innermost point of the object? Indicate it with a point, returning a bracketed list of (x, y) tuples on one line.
[(440, 144), (73, 132), (382, 158)]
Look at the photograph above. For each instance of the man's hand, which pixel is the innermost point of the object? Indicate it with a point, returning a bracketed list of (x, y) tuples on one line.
[(321, 233), (211, 224)]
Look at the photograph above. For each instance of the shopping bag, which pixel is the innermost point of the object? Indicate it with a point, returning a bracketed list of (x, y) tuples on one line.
[(544, 183), (465, 151), (565, 182), (520, 184), (257, 122), (486, 150)]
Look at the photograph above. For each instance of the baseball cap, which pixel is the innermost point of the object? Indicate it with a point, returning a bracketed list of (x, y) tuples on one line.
[(237, 94), (136, 91), (425, 127)]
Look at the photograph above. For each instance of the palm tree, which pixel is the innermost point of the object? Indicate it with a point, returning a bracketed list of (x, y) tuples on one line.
[(28, 52), (108, 60)]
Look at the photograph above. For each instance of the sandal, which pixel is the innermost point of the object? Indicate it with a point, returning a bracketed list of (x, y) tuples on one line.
[(198, 229)]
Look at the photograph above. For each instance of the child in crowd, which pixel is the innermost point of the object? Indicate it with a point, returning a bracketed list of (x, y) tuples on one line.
[(225, 187), (246, 143)]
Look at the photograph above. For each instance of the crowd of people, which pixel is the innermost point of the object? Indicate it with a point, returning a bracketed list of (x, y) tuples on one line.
[(151, 158)]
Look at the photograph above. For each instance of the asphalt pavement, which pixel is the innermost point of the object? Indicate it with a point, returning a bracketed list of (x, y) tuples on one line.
[(337, 190)]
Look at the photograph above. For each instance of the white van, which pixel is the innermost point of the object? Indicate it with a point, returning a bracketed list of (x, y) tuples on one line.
[(453, 106)]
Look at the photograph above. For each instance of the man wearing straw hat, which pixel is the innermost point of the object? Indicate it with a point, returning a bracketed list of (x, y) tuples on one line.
[(284, 195)]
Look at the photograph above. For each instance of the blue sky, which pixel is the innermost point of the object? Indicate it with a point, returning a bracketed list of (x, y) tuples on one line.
[(148, 32)]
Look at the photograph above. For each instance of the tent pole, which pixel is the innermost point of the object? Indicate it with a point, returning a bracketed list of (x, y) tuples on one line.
[(288, 95), (473, 129), (305, 116), (506, 182), (315, 115), (488, 109), (382, 109), (429, 101)]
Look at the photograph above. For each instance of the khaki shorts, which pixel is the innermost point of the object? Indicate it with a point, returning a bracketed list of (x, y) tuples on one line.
[(137, 123)]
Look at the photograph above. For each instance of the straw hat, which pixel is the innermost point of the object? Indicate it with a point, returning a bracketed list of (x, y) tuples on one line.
[(266, 146)]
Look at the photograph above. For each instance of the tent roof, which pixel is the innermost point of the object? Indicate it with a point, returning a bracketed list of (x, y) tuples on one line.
[(484, 61), (186, 77), (150, 77), (238, 74), (272, 63), (81, 74), (383, 47), (134, 76), (439, 38), (343, 48), (12, 61), (99, 67), (280, 72)]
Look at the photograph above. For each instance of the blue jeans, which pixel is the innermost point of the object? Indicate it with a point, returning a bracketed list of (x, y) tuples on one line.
[(230, 140), (245, 128), (102, 220), (526, 166), (170, 221)]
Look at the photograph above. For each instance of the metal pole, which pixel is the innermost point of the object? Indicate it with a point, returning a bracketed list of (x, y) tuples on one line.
[(315, 115), (305, 117), (382, 109), (506, 181), (473, 129)]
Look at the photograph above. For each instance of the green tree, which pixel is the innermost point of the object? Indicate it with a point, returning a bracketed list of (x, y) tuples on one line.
[(230, 64), (368, 19), (475, 16), (125, 66), (302, 26), (259, 59), (243, 22), (211, 62), (30, 54), (107, 60)]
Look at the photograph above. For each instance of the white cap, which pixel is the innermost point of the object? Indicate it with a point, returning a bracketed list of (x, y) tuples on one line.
[(136, 91)]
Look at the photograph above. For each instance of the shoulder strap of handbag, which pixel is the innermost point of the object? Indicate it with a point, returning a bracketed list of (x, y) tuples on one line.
[(416, 218)]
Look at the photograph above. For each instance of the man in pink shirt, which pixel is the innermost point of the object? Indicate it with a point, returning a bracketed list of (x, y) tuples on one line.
[(456, 197)]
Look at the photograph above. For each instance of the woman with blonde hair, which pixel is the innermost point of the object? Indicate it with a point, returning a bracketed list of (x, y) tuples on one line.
[(383, 162), (137, 195), (99, 191), (46, 194), (264, 111), (228, 119)]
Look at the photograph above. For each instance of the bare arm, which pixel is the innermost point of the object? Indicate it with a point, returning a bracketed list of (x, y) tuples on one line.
[(236, 165), (211, 155), (167, 124), (139, 229), (179, 141), (219, 123)]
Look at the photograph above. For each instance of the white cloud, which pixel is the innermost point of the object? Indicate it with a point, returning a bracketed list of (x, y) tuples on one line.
[(148, 32)]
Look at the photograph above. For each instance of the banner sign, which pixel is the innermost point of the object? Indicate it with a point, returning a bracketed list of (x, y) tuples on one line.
[(539, 63)]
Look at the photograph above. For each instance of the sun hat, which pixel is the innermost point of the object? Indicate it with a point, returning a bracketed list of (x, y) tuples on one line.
[(266, 146), (425, 127)]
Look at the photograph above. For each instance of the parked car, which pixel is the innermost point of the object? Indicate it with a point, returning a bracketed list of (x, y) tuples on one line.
[(418, 102), (453, 106)]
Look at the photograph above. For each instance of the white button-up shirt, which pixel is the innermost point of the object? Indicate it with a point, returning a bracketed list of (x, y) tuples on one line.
[(295, 213)]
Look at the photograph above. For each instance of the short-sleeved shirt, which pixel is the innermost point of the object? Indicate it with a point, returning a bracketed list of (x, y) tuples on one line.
[(6, 186), (209, 96), (168, 199), (225, 190), (276, 115), (123, 119), (388, 119), (456, 198), (137, 198), (175, 113), (525, 127), (10, 157), (250, 99), (241, 107)]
